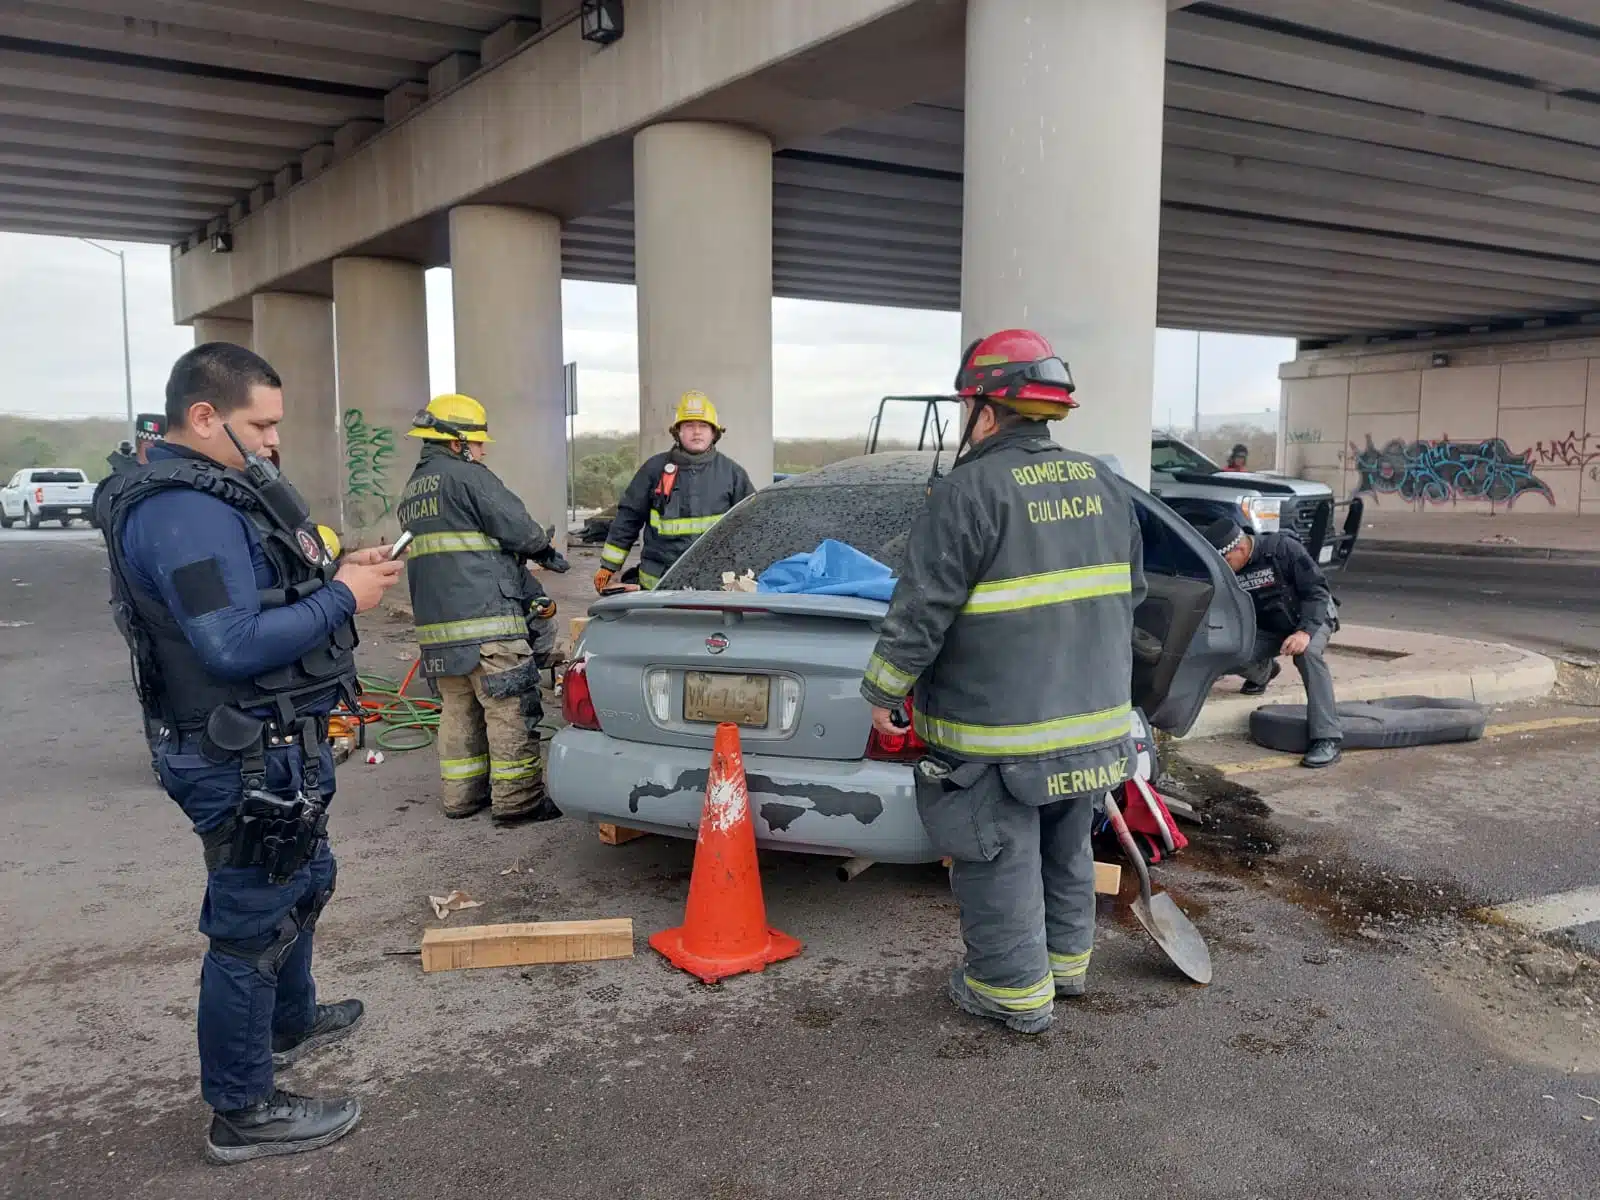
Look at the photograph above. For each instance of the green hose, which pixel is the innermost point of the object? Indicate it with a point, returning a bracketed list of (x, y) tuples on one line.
[(407, 723)]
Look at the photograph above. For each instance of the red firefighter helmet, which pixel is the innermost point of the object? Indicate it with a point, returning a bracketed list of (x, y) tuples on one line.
[(1017, 368)]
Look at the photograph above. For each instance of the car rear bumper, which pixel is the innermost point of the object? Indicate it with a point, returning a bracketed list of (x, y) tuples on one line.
[(814, 806)]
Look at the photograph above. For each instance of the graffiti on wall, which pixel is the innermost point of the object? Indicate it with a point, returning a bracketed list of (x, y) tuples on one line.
[(1571, 451), (1444, 471), (367, 451), (1301, 436)]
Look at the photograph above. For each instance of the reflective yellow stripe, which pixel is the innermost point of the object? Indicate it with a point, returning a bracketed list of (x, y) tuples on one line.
[(1070, 966), (681, 526), (1051, 587), (451, 543), (613, 556), (1041, 737), (517, 768), (886, 677), (457, 769), (1017, 999), (474, 629), (648, 581)]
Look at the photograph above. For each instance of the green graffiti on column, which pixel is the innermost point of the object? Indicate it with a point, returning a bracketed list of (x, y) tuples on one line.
[(367, 451)]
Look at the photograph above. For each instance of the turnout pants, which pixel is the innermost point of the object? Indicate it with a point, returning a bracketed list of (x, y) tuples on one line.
[(256, 980), (1023, 875), (1322, 717), (489, 742)]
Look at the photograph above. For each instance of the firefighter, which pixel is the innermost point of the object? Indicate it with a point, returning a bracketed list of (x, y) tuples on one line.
[(676, 496), (1011, 626), (471, 595)]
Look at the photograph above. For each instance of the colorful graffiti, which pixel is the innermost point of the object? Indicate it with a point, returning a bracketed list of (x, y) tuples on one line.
[(1574, 450), (1444, 471), (367, 451)]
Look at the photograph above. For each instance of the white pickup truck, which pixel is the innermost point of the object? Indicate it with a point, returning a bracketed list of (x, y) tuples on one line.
[(37, 494)]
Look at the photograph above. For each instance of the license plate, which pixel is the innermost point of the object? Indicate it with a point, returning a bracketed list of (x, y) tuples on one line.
[(712, 697), (1325, 555)]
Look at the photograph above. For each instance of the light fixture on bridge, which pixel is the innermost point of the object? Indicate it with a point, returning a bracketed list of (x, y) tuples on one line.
[(222, 243), (600, 21), (1440, 359)]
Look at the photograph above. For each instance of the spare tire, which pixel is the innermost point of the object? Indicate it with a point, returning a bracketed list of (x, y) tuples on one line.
[(1375, 724)]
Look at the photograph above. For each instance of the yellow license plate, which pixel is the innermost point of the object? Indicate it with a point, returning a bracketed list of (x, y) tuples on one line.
[(741, 699)]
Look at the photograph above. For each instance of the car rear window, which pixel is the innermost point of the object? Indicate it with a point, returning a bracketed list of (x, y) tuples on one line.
[(58, 477), (780, 521)]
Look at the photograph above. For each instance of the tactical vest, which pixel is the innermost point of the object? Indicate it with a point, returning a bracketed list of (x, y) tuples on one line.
[(172, 684)]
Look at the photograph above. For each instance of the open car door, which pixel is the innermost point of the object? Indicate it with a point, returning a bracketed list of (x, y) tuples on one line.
[(1196, 623)]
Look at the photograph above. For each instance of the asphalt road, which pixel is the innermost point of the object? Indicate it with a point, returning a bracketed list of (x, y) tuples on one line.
[(1545, 606), (1360, 1039)]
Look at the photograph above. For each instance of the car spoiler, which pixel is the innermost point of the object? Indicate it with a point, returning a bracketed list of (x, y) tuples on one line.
[(853, 608)]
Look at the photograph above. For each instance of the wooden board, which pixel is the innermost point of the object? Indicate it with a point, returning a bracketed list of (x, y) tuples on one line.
[(469, 946), (616, 835), (575, 628), (1107, 877)]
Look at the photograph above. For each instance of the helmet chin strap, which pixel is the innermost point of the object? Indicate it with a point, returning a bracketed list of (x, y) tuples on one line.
[(979, 403)]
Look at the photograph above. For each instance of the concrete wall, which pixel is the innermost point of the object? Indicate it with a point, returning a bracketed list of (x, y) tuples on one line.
[(1512, 423)]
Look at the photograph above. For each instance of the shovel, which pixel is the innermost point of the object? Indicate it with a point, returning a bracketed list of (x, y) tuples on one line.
[(1162, 919)]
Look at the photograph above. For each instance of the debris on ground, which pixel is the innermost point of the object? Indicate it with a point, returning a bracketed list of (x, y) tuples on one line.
[(738, 583), (457, 900), (518, 945), (374, 757)]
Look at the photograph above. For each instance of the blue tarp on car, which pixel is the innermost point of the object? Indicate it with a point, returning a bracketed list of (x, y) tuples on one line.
[(834, 568)]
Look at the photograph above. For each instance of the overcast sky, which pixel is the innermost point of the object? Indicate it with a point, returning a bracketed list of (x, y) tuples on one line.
[(61, 347)]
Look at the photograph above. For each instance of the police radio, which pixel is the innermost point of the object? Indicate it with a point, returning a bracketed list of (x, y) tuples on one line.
[(278, 496)]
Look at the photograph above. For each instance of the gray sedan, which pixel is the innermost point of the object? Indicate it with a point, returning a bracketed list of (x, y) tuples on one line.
[(655, 672)]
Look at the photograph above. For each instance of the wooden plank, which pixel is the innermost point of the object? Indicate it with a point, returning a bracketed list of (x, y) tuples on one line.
[(575, 628), (1107, 878), (616, 835), (469, 946)]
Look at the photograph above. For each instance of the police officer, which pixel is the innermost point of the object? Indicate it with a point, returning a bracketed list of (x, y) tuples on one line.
[(240, 626), (1295, 615), (1013, 622), (676, 496), (471, 594)]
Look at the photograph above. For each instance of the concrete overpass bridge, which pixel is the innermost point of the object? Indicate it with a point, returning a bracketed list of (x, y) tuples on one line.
[(1333, 170)]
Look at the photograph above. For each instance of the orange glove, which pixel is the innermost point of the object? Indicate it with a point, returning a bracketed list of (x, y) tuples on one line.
[(602, 578)]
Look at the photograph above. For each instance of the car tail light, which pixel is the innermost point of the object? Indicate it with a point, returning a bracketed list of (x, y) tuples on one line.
[(788, 703), (577, 706), (38, 495), (896, 747), (658, 694)]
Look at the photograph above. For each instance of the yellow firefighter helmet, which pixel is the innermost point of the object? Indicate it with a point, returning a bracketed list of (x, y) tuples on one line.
[(695, 406), (451, 418)]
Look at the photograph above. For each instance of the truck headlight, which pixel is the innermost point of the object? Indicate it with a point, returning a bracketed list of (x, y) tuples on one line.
[(1263, 512)]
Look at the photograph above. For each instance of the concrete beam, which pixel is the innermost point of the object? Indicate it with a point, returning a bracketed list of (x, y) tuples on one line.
[(400, 102), (82, 183), (349, 137), (583, 99), (95, 140), (115, 168), (57, 224), (113, 27), (504, 40), (451, 71), (174, 121)]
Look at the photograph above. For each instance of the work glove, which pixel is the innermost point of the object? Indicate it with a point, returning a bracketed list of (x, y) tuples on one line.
[(552, 559), (602, 579)]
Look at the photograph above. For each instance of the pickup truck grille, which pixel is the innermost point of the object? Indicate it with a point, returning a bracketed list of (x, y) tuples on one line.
[(1302, 516)]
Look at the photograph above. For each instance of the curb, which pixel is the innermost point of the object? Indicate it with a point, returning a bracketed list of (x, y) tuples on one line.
[(1480, 550), (1531, 677)]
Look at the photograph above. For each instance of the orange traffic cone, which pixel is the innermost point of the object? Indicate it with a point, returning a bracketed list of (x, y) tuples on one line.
[(724, 930)]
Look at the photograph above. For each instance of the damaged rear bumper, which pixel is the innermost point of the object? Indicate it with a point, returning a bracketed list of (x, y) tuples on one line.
[(813, 806)]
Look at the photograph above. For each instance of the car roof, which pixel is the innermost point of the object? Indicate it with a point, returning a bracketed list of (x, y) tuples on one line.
[(889, 467)]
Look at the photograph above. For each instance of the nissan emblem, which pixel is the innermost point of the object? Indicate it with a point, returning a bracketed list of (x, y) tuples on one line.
[(716, 643)]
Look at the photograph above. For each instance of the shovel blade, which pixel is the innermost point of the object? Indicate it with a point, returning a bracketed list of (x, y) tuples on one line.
[(1175, 934)]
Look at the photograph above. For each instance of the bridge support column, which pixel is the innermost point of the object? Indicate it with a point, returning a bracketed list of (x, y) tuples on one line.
[(294, 333), (1062, 198), (223, 329), (702, 214), (380, 314), (506, 279)]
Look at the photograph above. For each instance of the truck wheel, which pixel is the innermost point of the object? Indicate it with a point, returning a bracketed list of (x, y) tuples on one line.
[(5, 521), (31, 517)]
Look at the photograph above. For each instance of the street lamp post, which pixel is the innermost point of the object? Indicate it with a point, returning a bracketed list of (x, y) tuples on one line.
[(127, 353), (1197, 336)]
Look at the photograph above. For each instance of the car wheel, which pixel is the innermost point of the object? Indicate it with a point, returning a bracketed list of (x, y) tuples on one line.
[(31, 517), (1375, 724), (5, 521)]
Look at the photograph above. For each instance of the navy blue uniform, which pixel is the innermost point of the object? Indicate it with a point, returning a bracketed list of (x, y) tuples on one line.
[(204, 561)]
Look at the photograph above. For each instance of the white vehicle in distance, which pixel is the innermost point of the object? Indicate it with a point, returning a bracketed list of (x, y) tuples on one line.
[(36, 494)]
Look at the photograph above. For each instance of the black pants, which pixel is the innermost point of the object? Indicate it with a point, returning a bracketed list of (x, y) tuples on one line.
[(1322, 718)]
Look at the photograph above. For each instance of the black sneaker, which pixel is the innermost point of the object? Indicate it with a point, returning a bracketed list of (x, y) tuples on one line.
[(332, 1023), (545, 810), (1323, 752), (283, 1123), (1251, 688)]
